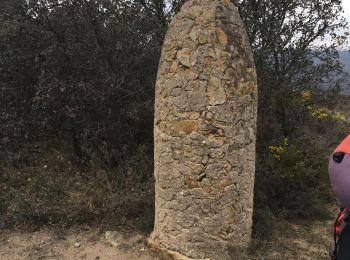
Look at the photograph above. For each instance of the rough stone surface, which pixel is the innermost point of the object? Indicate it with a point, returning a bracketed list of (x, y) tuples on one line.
[(205, 133)]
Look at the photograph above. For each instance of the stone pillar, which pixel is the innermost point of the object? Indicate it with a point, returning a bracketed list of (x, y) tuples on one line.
[(205, 133)]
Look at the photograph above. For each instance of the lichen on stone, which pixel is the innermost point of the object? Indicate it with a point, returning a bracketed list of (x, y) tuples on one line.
[(204, 133)]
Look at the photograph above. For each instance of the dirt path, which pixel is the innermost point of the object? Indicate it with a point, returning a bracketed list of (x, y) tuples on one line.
[(300, 241), (74, 244), (306, 240)]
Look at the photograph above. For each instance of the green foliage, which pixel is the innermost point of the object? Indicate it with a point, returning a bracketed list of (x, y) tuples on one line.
[(82, 71), (299, 179), (299, 76), (293, 177)]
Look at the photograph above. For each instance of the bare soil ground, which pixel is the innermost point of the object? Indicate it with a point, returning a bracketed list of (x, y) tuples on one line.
[(82, 243), (308, 240)]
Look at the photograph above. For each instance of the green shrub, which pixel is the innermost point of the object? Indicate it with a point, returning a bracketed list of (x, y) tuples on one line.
[(292, 173)]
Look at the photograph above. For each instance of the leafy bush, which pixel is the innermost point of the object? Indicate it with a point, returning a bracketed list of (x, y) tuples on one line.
[(292, 175)]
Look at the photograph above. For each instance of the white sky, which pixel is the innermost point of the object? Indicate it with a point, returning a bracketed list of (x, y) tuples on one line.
[(346, 5)]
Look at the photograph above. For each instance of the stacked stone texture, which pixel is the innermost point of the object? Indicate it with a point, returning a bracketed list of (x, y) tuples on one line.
[(205, 133)]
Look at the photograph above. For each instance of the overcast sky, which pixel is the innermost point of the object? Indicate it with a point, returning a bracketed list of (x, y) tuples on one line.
[(346, 5)]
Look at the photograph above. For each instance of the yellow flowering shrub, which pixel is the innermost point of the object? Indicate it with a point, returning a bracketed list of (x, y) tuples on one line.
[(338, 117), (278, 151), (305, 96), (320, 113), (325, 114)]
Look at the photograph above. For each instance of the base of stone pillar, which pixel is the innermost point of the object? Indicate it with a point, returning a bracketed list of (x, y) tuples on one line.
[(171, 255)]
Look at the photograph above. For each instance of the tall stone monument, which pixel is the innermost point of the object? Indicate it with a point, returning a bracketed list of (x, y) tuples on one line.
[(205, 133)]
